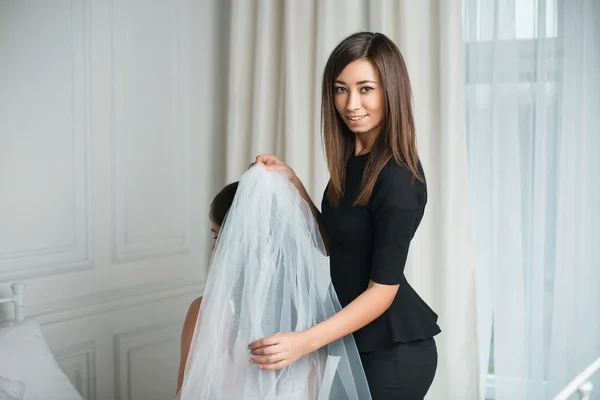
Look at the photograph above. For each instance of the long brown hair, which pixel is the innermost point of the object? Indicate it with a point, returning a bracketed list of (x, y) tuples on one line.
[(397, 138)]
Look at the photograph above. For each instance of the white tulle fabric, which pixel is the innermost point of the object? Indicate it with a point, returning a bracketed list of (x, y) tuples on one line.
[(269, 273)]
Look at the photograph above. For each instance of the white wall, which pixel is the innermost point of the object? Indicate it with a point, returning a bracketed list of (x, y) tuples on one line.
[(109, 120)]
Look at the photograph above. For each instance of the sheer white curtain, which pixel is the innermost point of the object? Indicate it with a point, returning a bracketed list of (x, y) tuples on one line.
[(276, 54), (533, 122)]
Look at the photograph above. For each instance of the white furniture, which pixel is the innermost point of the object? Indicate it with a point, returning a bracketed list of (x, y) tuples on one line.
[(28, 369), (581, 384), (18, 290)]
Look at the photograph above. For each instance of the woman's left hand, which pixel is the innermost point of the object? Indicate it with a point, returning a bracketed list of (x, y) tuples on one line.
[(279, 350)]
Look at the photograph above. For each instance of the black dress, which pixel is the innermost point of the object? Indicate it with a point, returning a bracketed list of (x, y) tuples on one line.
[(371, 243)]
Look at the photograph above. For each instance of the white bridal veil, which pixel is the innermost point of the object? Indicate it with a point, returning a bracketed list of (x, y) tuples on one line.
[(269, 273)]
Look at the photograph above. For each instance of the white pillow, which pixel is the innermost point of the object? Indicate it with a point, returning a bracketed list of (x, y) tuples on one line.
[(26, 357)]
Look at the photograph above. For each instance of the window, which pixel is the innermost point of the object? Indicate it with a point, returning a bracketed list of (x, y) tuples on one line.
[(513, 87)]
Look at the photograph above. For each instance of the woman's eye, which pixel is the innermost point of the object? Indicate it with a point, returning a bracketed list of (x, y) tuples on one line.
[(214, 237), (366, 89), (339, 89)]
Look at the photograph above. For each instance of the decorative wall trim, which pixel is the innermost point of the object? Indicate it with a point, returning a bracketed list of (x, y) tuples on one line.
[(127, 243), (78, 255), (79, 364), (126, 344), (83, 306)]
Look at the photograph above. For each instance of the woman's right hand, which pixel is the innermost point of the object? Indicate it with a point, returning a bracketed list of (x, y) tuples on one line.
[(273, 163)]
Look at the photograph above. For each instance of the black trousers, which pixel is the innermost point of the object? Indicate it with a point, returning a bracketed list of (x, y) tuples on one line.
[(402, 372)]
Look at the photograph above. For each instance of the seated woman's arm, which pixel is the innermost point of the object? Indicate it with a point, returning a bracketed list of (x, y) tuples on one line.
[(187, 334)]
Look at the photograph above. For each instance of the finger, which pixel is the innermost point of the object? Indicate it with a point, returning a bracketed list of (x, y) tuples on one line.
[(267, 350), (272, 359), (274, 366), (268, 159), (269, 341), (264, 158), (277, 167)]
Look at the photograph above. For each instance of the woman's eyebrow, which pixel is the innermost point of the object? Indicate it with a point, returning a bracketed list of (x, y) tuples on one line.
[(358, 83)]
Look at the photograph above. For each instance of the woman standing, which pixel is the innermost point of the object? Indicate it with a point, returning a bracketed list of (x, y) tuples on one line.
[(371, 209)]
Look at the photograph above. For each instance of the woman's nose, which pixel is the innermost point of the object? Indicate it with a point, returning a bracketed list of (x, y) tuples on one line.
[(353, 101)]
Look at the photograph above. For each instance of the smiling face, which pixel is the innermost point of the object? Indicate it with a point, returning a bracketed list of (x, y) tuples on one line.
[(366, 107), (359, 98)]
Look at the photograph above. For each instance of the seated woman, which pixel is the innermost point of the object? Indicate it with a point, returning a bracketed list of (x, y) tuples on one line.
[(269, 273), (218, 209)]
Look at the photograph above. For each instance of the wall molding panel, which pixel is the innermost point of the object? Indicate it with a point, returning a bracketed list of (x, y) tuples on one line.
[(108, 114), (79, 363), (150, 137), (129, 343), (77, 255), (103, 302)]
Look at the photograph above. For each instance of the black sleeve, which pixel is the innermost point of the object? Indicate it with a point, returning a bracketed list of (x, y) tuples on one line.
[(397, 204)]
